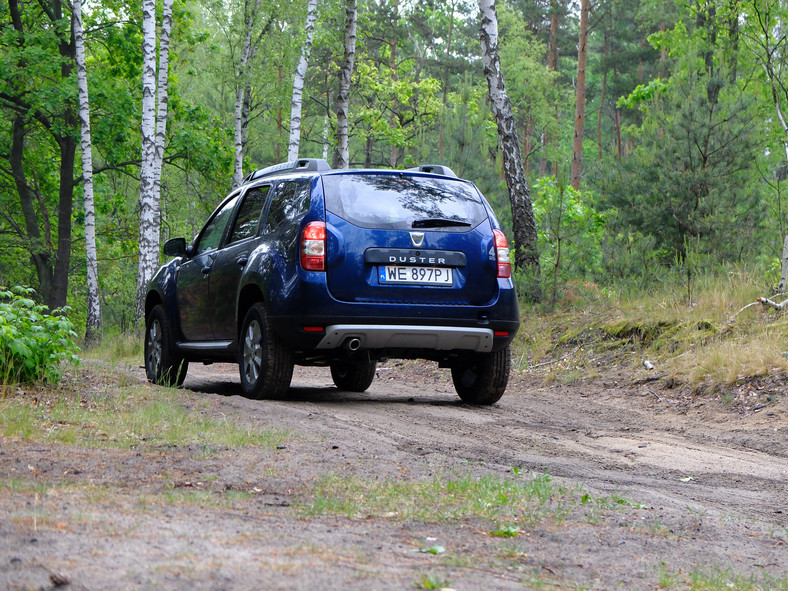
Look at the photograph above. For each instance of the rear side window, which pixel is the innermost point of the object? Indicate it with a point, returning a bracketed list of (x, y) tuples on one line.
[(403, 202), (290, 202), (249, 214)]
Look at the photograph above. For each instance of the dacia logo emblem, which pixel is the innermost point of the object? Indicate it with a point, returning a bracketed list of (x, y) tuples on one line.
[(417, 238)]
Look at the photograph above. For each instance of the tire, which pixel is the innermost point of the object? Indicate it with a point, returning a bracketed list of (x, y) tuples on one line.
[(353, 376), (163, 364), (482, 378), (266, 365)]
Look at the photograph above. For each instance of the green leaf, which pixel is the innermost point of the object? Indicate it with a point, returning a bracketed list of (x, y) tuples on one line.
[(433, 550)]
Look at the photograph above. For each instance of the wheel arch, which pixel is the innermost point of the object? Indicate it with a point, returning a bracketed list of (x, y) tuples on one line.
[(152, 300), (250, 295)]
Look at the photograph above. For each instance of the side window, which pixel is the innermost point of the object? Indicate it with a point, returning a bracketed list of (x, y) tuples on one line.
[(249, 214), (212, 233), (290, 201)]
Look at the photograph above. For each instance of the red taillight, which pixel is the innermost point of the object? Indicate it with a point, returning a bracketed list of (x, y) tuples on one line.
[(313, 247), (502, 255)]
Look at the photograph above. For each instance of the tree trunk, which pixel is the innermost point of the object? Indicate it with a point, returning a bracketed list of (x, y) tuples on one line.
[(580, 102), (602, 100), (162, 91), (52, 265), (441, 148), (241, 121), (150, 214), (526, 257), (552, 65), (394, 156), (40, 253), (342, 154), (298, 82), (784, 271), (93, 323)]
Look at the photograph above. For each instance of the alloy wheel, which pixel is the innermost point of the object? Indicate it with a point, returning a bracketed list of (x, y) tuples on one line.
[(253, 351), (154, 346)]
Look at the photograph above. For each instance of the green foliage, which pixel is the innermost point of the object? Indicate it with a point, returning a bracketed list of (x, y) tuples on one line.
[(642, 93), (690, 178), (533, 89), (510, 531), (33, 343), (412, 104), (688, 170), (571, 232), (432, 581)]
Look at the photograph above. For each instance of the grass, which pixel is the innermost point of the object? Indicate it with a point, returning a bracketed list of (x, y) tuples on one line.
[(100, 410), (692, 343), (517, 503), (719, 579), (118, 348)]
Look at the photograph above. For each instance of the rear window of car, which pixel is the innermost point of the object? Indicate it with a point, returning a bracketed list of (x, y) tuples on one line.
[(403, 202)]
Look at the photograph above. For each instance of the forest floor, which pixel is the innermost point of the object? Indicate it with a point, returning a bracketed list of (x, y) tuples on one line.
[(644, 487)]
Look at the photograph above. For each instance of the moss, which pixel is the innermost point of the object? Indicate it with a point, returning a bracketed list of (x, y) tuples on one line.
[(642, 331)]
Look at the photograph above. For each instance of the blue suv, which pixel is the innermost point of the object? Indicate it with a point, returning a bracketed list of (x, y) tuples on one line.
[(308, 265)]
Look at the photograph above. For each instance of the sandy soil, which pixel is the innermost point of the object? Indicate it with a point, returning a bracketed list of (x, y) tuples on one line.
[(706, 484)]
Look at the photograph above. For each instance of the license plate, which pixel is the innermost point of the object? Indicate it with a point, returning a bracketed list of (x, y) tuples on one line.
[(416, 275)]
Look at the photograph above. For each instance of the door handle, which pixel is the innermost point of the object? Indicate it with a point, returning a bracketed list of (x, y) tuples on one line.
[(242, 261), (205, 271)]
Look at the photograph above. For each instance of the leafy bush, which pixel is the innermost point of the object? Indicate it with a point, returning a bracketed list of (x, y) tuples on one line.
[(33, 343)]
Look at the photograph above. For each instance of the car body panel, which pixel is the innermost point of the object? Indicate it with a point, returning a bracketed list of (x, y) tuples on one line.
[(206, 294)]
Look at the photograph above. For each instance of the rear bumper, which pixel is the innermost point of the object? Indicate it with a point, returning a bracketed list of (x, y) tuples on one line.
[(308, 318), (438, 338)]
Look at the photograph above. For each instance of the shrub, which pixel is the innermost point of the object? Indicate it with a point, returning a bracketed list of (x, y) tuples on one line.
[(33, 343)]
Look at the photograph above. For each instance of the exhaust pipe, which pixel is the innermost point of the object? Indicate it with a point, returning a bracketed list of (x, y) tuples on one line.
[(352, 344)]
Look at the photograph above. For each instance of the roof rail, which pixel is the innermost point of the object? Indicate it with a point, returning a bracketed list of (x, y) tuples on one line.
[(300, 165), (435, 169)]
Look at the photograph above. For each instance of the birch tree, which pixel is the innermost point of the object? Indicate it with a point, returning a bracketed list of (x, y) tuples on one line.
[(298, 82), (93, 324), (243, 92), (526, 257), (162, 96), (150, 213), (153, 129), (342, 154)]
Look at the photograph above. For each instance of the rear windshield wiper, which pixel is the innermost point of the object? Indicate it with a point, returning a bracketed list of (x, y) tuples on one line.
[(438, 223)]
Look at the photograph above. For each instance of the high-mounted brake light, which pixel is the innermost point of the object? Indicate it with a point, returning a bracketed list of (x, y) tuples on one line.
[(502, 255), (313, 247)]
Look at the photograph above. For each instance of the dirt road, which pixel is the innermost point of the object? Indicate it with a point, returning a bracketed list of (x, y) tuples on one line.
[(694, 487)]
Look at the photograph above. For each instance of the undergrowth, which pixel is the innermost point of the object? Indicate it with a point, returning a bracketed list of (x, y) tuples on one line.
[(707, 343), (34, 344)]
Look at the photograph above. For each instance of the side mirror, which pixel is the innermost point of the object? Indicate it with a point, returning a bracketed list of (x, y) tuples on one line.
[(175, 247)]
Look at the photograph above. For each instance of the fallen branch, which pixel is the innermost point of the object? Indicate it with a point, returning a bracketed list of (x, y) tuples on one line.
[(764, 302)]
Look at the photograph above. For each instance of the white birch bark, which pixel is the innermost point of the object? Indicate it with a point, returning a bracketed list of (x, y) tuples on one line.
[(93, 324), (784, 267), (162, 91), (325, 138), (242, 93), (150, 215), (298, 82), (342, 154), (526, 256)]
